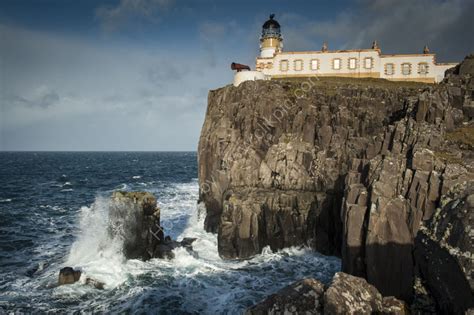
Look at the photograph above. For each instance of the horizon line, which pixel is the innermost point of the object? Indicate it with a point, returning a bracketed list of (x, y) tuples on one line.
[(85, 151)]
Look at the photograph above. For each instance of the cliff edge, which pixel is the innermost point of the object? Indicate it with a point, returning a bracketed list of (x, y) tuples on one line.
[(349, 167)]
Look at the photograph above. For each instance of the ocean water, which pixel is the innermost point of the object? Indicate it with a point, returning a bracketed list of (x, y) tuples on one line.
[(53, 213)]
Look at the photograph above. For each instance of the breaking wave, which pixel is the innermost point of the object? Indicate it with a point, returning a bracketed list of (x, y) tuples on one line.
[(197, 282)]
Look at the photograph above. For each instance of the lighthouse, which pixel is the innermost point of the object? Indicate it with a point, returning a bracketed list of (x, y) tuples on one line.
[(271, 40)]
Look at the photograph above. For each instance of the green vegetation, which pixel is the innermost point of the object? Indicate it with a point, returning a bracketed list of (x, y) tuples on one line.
[(363, 82), (448, 157), (463, 135)]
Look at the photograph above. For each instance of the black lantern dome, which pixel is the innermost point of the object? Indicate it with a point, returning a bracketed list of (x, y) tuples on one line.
[(271, 28)]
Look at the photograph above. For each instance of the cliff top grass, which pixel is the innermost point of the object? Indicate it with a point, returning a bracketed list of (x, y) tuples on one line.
[(362, 82), (463, 135)]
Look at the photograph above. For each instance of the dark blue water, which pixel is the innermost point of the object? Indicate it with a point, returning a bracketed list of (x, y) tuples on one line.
[(53, 212)]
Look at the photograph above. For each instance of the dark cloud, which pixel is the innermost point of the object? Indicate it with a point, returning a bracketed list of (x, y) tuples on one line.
[(400, 26), (42, 99), (114, 17)]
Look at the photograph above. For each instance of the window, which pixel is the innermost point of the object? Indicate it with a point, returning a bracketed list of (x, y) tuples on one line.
[(314, 64), (352, 63), (336, 64), (389, 69), (368, 63), (269, 65), (423, 68), (406, 68), (284, 65), (298, 64)]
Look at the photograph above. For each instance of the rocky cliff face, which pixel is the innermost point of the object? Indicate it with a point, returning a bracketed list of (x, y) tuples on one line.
[(444, 248), (349, 167)]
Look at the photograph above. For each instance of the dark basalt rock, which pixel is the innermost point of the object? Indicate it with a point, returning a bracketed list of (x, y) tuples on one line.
[(346, 294), (165, 249), (135, 218), (37, 268), (68, 275), (351, 295), (444, 251), (302, 297), (95, 283)]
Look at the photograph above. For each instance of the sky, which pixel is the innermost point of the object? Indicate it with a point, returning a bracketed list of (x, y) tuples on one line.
[(133, 75)]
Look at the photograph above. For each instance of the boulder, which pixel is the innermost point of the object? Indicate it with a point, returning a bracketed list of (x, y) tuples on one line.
[(68, 275), (393, 306), (346, 294), (302, 297), (351, 295)]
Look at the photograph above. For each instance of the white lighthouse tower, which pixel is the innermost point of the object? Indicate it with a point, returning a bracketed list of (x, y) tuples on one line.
[(271, 40)]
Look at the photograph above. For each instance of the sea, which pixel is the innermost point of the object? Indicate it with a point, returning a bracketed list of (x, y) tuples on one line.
[(54, 213)]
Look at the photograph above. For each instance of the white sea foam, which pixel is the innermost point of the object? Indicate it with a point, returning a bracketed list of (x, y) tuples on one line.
[(136, 177), (95, 251), (123, 187), (6, 200), (197, 281)]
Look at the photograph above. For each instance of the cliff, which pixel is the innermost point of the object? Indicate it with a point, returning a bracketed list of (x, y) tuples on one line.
[(349, 167)]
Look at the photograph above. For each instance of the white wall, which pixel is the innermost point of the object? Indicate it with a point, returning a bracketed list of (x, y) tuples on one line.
[(435, 72), (242, 76)]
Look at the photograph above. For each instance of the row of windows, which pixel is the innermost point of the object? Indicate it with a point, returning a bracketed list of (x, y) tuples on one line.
[(353, 63), (423, 68)]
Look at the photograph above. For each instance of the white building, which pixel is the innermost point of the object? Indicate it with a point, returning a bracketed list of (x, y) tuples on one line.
[(273, 62)]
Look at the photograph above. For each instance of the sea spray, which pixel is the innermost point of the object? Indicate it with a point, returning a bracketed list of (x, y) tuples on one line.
[(97, 251)]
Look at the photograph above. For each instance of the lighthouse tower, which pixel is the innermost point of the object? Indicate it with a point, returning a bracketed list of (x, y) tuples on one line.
[(271, 41)]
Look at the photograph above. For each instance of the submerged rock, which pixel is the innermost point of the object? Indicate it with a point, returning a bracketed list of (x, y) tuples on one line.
[(68, 275), (165, 249), (37, 268), (346, 294), (95, 283)]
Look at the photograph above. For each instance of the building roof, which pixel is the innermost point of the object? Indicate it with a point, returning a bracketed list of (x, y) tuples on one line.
[(271, 23)]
